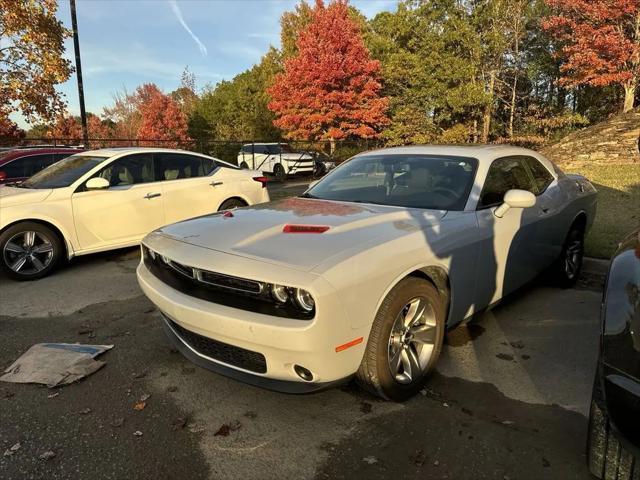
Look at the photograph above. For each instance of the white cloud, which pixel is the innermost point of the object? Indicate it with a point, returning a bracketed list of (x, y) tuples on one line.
[(178, 14)]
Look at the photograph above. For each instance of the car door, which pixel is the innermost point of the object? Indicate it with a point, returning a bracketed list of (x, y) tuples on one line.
[(552, 200), (508, 257), (191, 185), (125, 212)]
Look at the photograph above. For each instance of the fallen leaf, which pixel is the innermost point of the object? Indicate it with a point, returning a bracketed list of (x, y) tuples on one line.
[(172, 389), (53, 395), (118, 422), (179, 423), (140, 406), (250, 414), (137, 433), (370, 460), (436, 463), (365, 407), (145, 397), (418, 458), (223, 431), (226, 428), (48, 455), (85, 411), (14, 448)]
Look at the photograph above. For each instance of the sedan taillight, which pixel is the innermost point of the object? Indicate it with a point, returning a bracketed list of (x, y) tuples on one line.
[(262, 180)]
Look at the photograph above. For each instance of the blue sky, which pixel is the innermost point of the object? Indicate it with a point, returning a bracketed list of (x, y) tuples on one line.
[(124, 43)]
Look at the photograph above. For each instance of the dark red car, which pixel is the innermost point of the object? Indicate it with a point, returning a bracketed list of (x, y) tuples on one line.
[(19, 164)]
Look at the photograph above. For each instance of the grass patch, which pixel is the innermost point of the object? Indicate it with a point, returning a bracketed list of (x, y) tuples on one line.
[(618, 210)]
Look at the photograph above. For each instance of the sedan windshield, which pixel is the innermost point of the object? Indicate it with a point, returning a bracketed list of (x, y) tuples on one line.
[(63, 173), (436, 182)]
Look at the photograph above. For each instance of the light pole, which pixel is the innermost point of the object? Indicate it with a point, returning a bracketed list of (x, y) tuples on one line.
[(76, 47)]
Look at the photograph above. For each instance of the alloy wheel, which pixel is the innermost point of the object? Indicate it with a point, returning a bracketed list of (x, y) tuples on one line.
[(28, 252), (412, 340), (573, 258)]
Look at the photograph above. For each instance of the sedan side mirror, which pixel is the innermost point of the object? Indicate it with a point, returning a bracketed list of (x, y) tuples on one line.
[(515, 199), (97, 183)]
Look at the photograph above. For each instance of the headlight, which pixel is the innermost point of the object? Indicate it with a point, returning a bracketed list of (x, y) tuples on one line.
[(279, 293), (304, 299)]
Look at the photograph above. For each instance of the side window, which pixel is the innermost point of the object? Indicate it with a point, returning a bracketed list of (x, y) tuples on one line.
[(14, 168), (541, 176), (26, 166), (176, 166), (505, 174), (129, 170)]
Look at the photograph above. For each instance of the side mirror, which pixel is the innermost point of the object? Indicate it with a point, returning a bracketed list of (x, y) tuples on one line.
[(515, 199), (97, 183)]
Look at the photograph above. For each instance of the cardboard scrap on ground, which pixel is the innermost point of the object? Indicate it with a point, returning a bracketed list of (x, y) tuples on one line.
[(55, 364)]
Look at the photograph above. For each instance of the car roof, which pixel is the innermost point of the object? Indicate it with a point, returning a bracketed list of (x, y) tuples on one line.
[(25, 152), (481, 152), (113, 151)]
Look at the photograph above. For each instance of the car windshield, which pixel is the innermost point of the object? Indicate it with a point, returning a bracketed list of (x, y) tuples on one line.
[(63, 173), (436, 182)]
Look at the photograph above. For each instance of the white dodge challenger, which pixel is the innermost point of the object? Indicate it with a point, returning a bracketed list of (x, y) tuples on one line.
[(363, 274)]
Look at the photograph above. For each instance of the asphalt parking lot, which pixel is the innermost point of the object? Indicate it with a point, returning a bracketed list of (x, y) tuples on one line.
[(508, 401)]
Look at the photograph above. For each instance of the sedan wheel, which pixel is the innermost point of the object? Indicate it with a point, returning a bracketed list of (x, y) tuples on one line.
[(405, 340), (29, 251)]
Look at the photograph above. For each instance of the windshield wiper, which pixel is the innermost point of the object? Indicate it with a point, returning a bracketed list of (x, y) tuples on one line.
[(372, 202)]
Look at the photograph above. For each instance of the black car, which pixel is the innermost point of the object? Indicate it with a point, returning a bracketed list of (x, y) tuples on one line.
[(613, 447)]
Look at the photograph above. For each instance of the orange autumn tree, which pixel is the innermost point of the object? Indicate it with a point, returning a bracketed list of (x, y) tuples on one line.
[(330, 89), (161, 117), (600, 43), (68, 129)]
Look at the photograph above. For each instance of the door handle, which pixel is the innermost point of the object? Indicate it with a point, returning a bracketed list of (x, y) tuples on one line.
[(215, 184), (149, 196)]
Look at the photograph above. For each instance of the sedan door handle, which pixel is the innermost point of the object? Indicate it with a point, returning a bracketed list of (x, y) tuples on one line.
[(149, 196), (215, 184)]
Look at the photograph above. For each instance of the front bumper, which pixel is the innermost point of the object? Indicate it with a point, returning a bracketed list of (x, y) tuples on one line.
[(284, 386), (282, 342)]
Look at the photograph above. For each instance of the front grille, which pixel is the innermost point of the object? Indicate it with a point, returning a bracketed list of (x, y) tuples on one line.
[(219, 288), (227, 281), (222, 352)]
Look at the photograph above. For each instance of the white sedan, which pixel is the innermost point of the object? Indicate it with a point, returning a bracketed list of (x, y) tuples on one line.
[(105, 199), (363, 274)]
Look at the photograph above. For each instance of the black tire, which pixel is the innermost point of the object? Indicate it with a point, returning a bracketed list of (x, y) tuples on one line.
[(244, 166), (562, 273), (374, 374), (232, 203), (279, 173), (606, 457), (34, 256)]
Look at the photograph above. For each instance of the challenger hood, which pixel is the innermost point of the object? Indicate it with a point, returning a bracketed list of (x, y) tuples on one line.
[(10, 196), (257, 231)]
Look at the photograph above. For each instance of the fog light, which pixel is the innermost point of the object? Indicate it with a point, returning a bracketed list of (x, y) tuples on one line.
[(279, 293), (304, 300), (303, 373)]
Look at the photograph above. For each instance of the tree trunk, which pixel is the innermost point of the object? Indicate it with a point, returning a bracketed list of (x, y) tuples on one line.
[(488, 109), (512, 107), (629, 95)]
